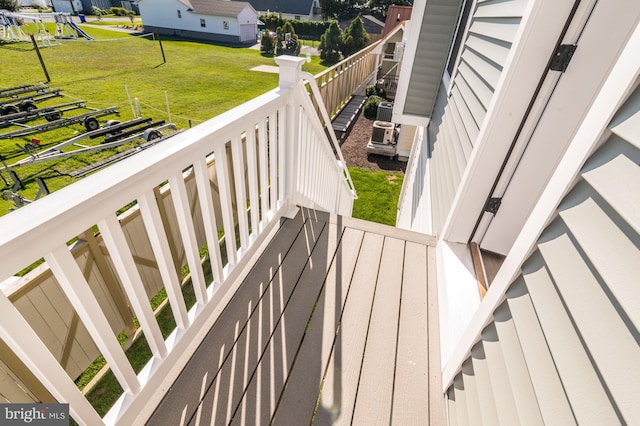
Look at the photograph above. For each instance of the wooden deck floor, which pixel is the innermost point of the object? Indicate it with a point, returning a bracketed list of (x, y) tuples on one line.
[(335, 324)]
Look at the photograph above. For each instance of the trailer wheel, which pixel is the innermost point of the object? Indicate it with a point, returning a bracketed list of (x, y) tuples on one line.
[(151, 134), (9, 109), (111, 123), (91, 123), (28, 106), (53, 116)]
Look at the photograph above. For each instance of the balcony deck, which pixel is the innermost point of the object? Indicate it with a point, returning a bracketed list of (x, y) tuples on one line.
[(336, 323)]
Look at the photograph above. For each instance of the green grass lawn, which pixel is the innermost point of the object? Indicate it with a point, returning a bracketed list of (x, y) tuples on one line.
[(378, 194), (201, 80)]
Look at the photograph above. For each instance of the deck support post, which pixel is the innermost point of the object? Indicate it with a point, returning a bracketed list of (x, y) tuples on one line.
[(290, 68)]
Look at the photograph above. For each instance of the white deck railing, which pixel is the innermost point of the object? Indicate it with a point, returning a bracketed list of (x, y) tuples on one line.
[(269, 154)]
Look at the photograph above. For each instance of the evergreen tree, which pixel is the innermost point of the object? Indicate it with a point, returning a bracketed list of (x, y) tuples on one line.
[(331, 43), (267, 43), (287, 44), (355, 38)]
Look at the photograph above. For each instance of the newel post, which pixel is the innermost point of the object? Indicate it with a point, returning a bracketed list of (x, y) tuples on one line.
[(290, 67)]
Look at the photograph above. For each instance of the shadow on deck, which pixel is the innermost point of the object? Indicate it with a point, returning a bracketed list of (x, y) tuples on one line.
[(336, 323)]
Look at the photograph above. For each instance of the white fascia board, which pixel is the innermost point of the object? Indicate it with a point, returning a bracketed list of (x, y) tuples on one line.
[(614, 92), (412, 120), (540, 28), (458, 295), (412, 33)]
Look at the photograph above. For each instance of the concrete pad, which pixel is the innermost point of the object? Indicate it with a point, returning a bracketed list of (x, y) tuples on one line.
[(266, 68)]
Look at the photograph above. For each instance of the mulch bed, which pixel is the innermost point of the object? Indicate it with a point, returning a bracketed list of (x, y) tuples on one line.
[(354, 149)]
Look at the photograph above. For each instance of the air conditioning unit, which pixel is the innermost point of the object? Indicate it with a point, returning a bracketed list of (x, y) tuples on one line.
[(383, 132), (385, 111)]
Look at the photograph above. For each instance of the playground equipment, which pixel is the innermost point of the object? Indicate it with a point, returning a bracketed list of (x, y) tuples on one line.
[(66, 28), (11, 31)]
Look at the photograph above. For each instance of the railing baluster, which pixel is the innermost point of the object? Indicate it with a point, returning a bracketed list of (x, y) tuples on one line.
[(273, 161), (264, 170), (77, 290), (159, 243), (20, 337), (224, 186), (188, 233), (241, 191), (123, 261), (282, 137), (252, 165), (209, 217)]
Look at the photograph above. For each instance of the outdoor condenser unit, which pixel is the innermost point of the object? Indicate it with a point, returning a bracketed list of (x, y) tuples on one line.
[(385, 111), (383, 132)]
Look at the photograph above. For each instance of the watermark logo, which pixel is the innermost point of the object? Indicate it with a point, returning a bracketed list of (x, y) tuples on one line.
[(34, 414)]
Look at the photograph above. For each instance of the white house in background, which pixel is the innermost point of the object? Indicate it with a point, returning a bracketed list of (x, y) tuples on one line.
[(301, 10), (214, 20), (67, 6)]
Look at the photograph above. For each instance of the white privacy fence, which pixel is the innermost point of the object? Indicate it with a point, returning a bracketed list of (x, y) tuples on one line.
[(246, 169)]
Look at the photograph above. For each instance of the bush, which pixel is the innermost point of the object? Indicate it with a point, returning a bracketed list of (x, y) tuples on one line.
[(119, 11), (10, 5), (267, 43), (354, 38), (375, 90), (284, 45), (370, 108)]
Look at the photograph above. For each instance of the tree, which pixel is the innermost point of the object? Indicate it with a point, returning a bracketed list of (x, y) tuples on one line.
[(331, 43), (287, 43), (354, 38), (379, 7), (330, 8), (10, 5), (267, 43)]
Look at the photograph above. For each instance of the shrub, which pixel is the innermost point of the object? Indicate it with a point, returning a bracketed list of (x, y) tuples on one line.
[(10, 5), (370, 108), (119, 11), (375, 90), (267, 43), (287, 45)]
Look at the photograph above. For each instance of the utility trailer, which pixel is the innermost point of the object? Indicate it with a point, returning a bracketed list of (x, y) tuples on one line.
[(146, 130), (89, 119), (12, 92), (51, 113), (27, 101)]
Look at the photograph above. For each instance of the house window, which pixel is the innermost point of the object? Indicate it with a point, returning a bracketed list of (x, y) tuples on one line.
[(203, 23), (179, 14), (225, 25), (296, 17)]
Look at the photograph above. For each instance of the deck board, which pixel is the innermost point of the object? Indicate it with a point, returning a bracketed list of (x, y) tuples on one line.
[(300, 395), (375, 390), (334, 325)]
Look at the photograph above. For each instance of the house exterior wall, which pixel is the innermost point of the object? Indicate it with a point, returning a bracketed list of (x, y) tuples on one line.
[(163, 18), (462, 105)]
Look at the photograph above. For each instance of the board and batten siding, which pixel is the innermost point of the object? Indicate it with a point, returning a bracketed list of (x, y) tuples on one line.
[(567, 335), (460, 110)]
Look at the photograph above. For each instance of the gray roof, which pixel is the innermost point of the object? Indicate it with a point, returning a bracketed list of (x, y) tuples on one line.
[(216, 7), (294, 7)]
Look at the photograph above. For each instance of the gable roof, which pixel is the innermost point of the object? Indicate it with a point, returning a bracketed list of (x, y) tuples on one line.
[(216, 7), (293, 7), (395, 15)]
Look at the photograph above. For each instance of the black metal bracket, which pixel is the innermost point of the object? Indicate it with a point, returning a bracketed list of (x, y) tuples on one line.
[(493, 205), (562, 57)]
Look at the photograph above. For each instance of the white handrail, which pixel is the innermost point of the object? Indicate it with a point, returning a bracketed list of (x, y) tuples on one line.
[(325, 116)]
